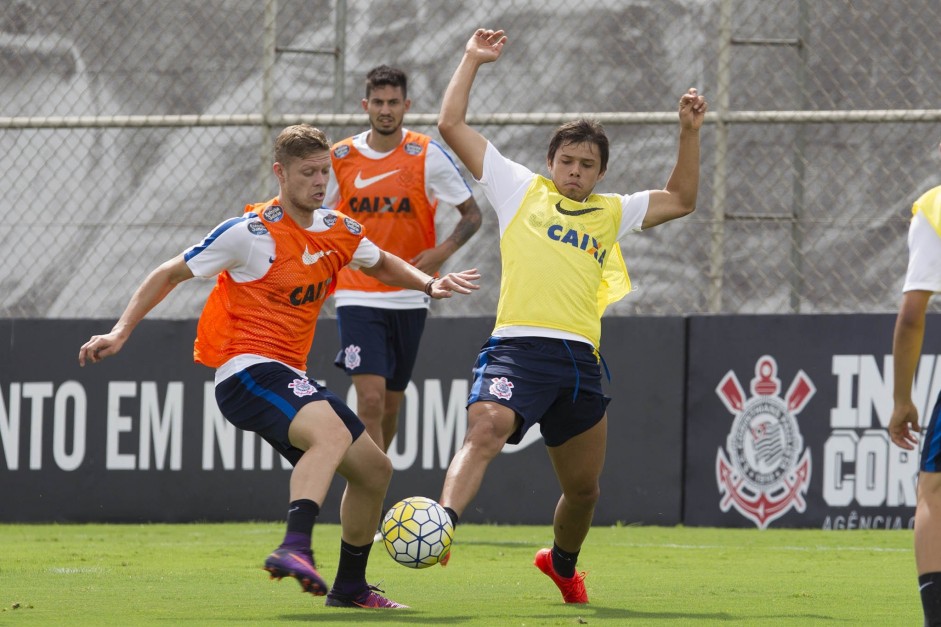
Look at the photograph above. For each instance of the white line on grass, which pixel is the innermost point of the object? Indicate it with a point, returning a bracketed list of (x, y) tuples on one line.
[(712, 547)]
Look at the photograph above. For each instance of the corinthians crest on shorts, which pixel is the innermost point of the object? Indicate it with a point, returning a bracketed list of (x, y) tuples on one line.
[(763, 471)]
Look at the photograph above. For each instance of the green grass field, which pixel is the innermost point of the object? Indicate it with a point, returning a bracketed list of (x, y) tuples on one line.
[(211, 574)]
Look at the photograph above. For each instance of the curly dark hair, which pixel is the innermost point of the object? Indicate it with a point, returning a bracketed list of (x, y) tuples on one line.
[(386, 75)]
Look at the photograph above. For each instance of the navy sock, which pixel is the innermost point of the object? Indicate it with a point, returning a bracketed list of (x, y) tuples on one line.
[(563, 562), (929, 585), (453, 515), (302, 514), (351, 571)]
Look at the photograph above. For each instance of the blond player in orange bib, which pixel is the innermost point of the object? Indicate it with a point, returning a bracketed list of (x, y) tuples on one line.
[(275, 265), (391, 180)]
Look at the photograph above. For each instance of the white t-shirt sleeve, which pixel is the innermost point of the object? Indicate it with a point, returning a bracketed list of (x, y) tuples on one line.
[(245, 248), (443, 179), (924, 256), (233, 246), (633, 210), (505, 184), (366, 256)]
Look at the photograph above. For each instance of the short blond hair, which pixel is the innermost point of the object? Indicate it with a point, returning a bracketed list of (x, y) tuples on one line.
[(299, 142)]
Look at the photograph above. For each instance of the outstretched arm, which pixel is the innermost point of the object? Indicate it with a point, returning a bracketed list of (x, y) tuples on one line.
[(906, 349), (484, 46), (394, 271), (678, 198), (154, 289)]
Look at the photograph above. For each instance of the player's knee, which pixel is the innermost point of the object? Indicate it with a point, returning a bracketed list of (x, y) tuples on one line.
[(586, 495), (370, 404), (929, 490), (485, 438), (379, 475)]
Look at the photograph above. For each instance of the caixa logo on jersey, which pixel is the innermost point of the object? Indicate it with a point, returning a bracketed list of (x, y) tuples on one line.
[(764, 471)]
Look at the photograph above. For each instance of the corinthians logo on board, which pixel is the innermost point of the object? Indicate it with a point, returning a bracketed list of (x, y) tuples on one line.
[(763, 472)]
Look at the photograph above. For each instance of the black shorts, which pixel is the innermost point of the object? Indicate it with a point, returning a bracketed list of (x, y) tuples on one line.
[(264, 398), (380, 341), (555, 383)]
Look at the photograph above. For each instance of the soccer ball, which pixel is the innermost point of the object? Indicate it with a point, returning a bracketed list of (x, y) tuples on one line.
[(417, 532)]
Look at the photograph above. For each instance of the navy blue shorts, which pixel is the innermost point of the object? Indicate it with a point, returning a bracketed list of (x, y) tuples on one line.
[(555, 383), (264, 398), (380, 341), (931, 447)]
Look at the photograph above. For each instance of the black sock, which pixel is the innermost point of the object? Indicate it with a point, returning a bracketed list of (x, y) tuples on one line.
[(302, 514), (563, 562), (929, 585), (453, 515), (351, 571)]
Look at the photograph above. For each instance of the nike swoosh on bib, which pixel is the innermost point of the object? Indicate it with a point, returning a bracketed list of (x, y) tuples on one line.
[(310, 259), (575, 212), (359, 182)]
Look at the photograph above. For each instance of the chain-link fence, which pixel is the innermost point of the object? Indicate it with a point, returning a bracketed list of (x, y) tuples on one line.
[(131, 127)]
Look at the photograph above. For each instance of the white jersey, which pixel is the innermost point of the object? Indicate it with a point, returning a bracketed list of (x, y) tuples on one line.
[(505, 183), (247, 256), (924, 256), (443, 182), (234, 247)]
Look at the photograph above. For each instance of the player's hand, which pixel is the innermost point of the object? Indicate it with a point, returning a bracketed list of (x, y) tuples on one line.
[(485, 45), (99, 347), (460, 282), (903, 425), (693, 109), (430, 260)]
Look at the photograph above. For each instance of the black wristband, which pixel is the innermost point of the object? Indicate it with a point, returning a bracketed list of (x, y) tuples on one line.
[(429, 284)]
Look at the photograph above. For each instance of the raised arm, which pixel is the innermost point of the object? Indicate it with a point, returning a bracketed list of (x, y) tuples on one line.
[(678, 198), (154, 289), (484, 46)]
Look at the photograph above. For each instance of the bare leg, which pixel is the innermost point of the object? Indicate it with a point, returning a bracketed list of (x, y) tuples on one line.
[(367, 471), (489, 425), (321, 434), (927, 521), (370, 404), (578, 464), (390, 417)]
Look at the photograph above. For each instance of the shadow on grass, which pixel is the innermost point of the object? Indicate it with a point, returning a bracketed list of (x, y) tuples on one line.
[(583, 614), (353, 616)]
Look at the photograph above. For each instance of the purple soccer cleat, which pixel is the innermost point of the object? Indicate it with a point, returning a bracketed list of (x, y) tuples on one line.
[(368, 598), (297, 564)]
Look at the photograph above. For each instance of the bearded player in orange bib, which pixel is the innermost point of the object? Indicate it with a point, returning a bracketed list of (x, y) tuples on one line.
[(391, 179)]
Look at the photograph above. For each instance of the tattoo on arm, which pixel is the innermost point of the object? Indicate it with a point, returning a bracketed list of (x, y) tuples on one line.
[(469, 223)]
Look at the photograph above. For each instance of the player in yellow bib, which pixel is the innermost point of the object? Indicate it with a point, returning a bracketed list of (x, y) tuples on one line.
[(922, 281), (561, 266)]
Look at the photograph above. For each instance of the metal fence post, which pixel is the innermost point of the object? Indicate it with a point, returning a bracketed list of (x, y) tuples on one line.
[(719, 177), (268, 58)]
